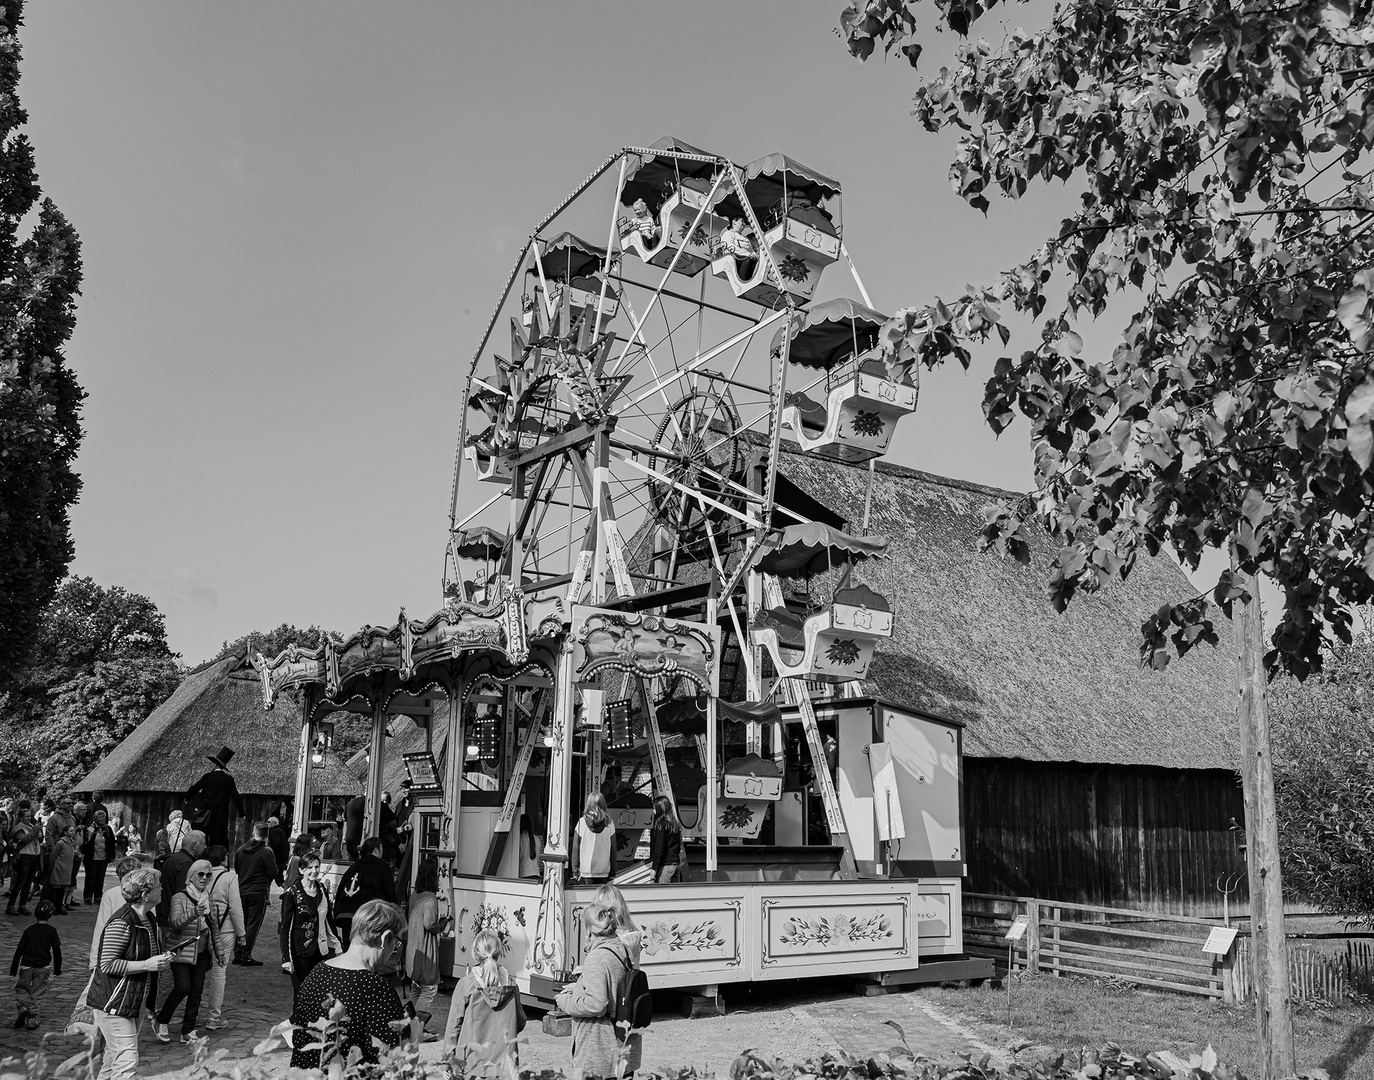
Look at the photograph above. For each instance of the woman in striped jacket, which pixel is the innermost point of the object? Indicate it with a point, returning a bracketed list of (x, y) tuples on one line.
[(123, 982)]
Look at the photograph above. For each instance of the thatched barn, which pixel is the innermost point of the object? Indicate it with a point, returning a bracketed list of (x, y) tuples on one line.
[(1087, 779), (218, 704)]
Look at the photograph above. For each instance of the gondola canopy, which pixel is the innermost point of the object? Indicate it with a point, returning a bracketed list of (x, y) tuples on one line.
[(812, 547), (831, 332), (568, 256), (647, 177)]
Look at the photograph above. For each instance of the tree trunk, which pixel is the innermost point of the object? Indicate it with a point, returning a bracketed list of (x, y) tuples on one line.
[(1273, 1008)]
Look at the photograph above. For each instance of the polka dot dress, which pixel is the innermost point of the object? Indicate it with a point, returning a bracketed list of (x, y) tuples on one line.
[(368, 1000)]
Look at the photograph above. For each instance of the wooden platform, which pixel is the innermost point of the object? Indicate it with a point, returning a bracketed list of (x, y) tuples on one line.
[(954, 969)]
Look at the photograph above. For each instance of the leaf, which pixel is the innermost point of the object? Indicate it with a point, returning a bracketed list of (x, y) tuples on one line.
[(1359, 405), (1359, 440), (1353, 312)]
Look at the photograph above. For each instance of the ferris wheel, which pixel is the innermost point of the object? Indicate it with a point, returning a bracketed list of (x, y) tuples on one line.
[(657, 339)]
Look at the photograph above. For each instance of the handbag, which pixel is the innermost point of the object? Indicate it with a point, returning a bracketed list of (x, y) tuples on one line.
[(83, 1016)]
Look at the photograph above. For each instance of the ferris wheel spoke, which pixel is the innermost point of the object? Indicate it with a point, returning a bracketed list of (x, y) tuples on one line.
[(676, 486)]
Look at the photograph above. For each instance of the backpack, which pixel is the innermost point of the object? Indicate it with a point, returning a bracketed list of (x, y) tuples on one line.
[(634, 1007)]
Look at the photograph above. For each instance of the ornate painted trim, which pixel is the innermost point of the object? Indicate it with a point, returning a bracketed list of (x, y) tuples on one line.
[(648, 646), (504, 628)]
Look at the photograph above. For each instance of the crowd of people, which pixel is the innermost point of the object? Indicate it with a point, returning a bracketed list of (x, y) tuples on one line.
[(179, 917)]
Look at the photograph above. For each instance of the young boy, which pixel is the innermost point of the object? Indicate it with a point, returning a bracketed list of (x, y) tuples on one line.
[(37, 959)]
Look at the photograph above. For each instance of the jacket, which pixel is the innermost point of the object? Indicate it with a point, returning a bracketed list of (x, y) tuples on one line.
[(174, 871), (299, 931), (88, 848), (369, 878), (422, 939), (226, 906), (484, 1021), (256, 867), (26, 837), (62, 860), (115, 989), (590, 1001), (185, 925), (665, 847), (177, 829), (593, 849)]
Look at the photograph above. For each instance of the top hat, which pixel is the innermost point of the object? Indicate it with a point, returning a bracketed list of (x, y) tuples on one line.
[(222, 758)]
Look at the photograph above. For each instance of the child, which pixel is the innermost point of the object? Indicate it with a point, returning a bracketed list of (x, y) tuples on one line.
[(593, 843), (422, 941), (665, 843), (37, 959), (631, 937), (486, 1015)]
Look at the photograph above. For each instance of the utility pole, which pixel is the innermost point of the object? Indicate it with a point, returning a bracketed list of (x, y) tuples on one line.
[(1273, 1007)]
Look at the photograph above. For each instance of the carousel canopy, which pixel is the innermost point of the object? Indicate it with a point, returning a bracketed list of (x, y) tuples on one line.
[(831, 332), (568, 256), (811, 547), (646, 177)]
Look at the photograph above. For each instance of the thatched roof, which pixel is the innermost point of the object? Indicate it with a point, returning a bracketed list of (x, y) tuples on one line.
[(406, 737), (977, 640), (218, 704)]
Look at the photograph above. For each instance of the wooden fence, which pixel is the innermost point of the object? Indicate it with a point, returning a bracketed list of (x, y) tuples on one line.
[(1150, 949)]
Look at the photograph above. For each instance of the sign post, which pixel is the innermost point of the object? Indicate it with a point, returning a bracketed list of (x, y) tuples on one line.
[(1015, 932)]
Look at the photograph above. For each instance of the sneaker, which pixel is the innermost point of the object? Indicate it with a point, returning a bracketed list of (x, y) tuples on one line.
[(190, 1036), (163, 1034), (216, 1025)]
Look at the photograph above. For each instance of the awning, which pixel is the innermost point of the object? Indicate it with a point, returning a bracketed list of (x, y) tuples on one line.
[(480, 542), (687, 716), (768, 178), (811, 547), (567, 256), (646, 177), (831, 332)]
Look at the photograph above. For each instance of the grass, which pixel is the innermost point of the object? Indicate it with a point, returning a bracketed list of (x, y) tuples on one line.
[(1069, 1013)]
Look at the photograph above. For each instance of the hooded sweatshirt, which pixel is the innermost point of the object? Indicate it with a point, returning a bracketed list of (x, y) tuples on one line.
[(593, 849), (483, 1021), (590, 1001), (256, 867)]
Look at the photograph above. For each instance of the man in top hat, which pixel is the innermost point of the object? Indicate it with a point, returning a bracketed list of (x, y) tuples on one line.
[(209, 797)]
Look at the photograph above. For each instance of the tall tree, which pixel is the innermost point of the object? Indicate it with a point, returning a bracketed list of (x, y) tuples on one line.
[(1220, 151), (40, 401), (101, 664), (1323, 772)]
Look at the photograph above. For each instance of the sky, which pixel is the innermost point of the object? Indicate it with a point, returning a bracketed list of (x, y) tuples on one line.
[(297, 218)]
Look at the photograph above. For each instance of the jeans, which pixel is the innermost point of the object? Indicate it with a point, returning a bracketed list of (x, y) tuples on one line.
[(254, 908), (121, 1046), (25, 869), (422, 998), (216, 977), (95, 880), (30, 987), (188, 981), (668, 874)]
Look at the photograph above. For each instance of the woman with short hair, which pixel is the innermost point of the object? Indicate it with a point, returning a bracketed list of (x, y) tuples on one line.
[(307, 933), (357, 981), (123, 974)]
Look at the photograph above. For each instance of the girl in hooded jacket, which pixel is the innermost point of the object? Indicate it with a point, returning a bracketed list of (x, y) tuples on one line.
[(597, 1043), (486, 1015), (593, 843)]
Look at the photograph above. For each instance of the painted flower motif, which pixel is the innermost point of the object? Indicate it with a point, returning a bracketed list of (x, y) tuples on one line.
[(666, 937), (842, 652), (794, 269), (867, 422), (839, 930), (490, 917), (736, 815), (843, 926), (699, 236)]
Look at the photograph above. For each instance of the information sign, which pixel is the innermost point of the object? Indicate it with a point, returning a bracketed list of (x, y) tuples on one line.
[(1219, 941), (1017, 930)]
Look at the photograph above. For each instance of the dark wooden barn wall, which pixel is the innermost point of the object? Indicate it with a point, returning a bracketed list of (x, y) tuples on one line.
[(150, 810), (1125, 836)]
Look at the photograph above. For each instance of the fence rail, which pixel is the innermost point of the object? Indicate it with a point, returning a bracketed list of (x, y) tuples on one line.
[(1149, 949)]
